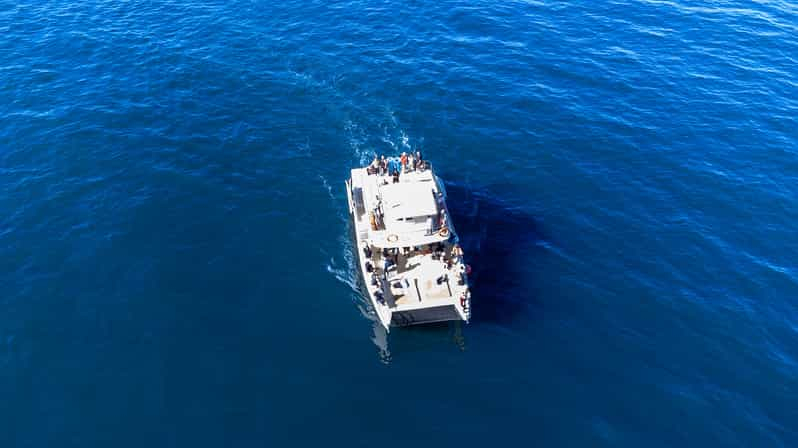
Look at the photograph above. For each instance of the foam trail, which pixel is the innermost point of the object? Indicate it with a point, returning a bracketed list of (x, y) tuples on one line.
[(404, 139), (341, 274), (328, 187), (346, 270), (357, 139), (347, 274)]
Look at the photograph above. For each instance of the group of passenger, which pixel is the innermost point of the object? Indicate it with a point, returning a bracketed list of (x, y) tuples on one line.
[(390, 258), (410, 162), (407, 162), (437, 250), (378, 166)]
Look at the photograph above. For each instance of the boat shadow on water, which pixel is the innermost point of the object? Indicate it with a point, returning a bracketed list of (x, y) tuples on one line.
[(504, 246)]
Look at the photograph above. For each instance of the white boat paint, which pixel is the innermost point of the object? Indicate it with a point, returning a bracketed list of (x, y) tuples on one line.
[(407, 222)]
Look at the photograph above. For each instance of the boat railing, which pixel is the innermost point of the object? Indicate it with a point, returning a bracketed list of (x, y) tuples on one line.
[(407, 238), (394, 164)]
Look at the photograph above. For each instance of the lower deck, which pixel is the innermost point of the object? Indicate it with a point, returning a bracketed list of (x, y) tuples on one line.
[(417, 275)]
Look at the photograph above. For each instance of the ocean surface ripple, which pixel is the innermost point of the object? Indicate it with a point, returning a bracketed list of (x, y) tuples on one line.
[(175, 255)]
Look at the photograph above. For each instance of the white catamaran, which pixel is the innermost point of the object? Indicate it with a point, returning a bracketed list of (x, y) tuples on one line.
[(412, 264)]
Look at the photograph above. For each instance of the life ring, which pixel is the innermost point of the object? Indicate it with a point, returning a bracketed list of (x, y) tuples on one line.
[(392, 238), (444, 232)]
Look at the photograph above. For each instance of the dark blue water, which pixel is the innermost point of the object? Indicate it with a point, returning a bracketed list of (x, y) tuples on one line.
[(175, 263)]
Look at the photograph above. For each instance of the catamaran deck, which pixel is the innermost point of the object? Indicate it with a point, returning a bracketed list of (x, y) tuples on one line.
[(407, 247), (414, 279)]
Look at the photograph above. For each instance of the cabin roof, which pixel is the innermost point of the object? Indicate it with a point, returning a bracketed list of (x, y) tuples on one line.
[(408, 199)]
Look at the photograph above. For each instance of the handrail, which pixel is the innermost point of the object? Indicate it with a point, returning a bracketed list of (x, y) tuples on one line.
[(408, 233), (396, 161)]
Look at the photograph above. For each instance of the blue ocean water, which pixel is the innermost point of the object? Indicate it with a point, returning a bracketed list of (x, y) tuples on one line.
[(175, 262)]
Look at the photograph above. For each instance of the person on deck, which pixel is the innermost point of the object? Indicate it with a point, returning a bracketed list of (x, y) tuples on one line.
[(457, 253), (374, 167), (403, 161), (373, 220)]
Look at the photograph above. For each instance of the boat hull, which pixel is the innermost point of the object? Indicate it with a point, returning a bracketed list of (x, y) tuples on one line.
[(386, 309), (382, 316)]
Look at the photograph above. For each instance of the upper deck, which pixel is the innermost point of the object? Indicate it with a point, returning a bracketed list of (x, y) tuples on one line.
[(410, 212)]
